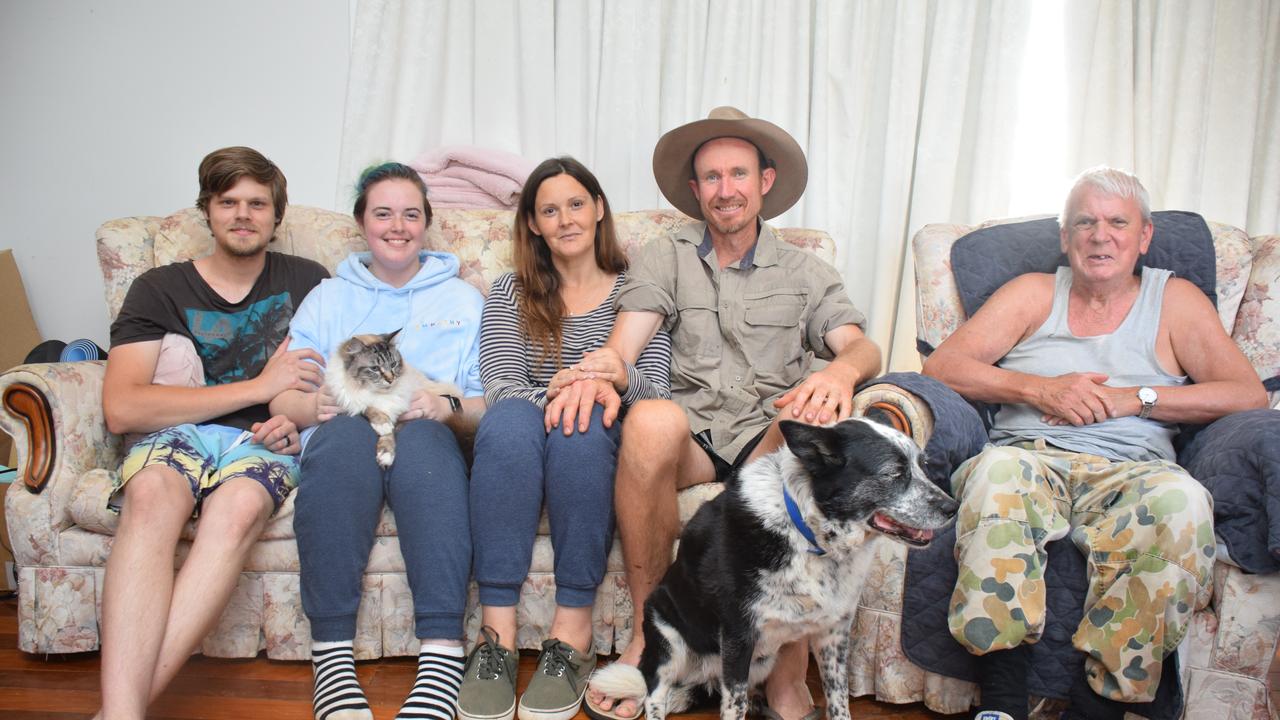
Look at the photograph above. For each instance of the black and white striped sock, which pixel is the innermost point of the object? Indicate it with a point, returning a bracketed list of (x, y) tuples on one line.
[(337, 693), (435, 692)]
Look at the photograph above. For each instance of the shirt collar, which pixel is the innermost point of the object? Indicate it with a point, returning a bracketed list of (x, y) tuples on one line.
[(762, 254)]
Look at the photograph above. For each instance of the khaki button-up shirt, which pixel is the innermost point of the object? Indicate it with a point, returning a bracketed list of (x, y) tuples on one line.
[(741, 336)]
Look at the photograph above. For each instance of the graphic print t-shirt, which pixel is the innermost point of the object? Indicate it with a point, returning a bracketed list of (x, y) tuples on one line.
[(233, 340)]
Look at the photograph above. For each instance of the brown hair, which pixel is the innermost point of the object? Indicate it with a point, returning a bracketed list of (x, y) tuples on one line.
[(541, 306), (222, 169), (375, 174)]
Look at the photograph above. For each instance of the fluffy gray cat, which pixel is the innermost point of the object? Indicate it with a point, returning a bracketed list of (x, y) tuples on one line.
[(367, 376)]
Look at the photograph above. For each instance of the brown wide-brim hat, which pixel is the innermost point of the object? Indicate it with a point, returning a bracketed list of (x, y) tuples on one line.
[(673, 159)]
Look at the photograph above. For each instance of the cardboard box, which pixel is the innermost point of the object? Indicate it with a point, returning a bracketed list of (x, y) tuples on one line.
[(18, 333)]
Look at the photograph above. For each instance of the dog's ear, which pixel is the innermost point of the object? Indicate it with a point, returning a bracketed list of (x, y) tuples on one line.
[(817, 447)]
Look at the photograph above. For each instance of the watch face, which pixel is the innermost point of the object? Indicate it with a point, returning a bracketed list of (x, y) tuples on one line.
[(1147, 395)]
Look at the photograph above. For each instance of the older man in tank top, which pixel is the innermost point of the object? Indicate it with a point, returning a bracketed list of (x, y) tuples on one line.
[(1093, 367)]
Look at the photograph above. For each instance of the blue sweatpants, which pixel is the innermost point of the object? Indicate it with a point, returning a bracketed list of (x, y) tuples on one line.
[(339, 504), (519, 466)]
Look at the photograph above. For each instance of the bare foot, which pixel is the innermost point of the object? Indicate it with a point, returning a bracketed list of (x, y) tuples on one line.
[(791, 701), (623, 708)]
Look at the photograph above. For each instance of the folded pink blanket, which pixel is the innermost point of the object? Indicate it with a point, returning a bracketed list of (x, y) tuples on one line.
[(467, 198), (497, 162), (496, 173)]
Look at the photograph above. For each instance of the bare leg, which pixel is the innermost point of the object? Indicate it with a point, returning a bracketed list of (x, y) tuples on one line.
[(573, 626), (771, 441), (656, 449), (503, 621), (231, 520), (645, 498), (138, 588), (785, 690)]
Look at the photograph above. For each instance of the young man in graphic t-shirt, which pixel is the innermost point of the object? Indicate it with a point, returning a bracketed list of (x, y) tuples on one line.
[(210, 447)]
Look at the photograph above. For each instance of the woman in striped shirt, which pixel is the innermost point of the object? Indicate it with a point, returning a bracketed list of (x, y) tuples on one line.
[(538, 321)]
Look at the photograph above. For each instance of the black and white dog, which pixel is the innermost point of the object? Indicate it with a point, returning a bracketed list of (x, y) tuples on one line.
[(778, 556)]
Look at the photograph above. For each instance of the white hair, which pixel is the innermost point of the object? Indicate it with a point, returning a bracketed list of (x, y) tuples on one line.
[(1111, 182)]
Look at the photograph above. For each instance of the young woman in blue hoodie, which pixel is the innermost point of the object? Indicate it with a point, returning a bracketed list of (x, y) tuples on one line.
[(395, 285)]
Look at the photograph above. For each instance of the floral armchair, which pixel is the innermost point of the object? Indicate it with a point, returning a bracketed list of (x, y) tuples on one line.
[(1225, 659), (60, 528)]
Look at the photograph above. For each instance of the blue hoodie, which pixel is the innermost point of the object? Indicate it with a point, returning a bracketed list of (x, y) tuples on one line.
[(437, 314)]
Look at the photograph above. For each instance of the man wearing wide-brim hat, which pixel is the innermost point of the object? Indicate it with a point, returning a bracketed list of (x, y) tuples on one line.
[(747, 313)]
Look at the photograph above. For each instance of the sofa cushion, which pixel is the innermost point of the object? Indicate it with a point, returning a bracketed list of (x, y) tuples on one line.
[(321, 235), (989, 257)]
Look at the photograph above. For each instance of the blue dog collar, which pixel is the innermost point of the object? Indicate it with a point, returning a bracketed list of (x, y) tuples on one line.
[(794, 511)]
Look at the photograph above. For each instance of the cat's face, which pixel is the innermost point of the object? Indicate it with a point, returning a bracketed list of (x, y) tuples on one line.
[(372, 360)]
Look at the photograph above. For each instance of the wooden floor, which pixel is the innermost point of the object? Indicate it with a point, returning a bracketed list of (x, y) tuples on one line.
[(66, 686)]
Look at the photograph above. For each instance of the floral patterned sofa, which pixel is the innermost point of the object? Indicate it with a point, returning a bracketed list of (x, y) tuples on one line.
[(61, 531), (1227, 654)]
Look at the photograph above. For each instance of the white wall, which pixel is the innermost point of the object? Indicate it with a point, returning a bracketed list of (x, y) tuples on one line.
[(109, 107)]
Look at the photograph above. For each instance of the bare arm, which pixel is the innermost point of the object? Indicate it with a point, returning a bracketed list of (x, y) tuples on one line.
[(1224, 381), (467, 420), (303, 408), (827, 394), (631, 332), (966, 360), (132, 403)]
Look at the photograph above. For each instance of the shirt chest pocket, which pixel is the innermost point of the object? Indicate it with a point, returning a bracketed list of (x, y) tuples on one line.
[(772, 332), (696, 332)]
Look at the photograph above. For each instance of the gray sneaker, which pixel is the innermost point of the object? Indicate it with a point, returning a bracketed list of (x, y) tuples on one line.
[(488, 689), (556, 689)]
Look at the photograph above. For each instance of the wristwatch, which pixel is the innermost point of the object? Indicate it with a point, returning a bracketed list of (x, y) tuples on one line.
[(455, 404), (1148, 398)]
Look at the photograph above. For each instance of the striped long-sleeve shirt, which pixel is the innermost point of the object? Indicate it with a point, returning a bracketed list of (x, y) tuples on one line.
[(510, 365)]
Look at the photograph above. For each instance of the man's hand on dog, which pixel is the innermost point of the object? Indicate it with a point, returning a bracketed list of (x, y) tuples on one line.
[(823, 397), (572, 405)]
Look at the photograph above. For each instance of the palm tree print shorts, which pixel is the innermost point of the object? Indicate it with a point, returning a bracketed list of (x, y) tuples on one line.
[(208, 456)]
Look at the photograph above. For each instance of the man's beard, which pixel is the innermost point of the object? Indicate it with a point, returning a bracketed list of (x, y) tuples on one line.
[(732, 229), (243, 250)]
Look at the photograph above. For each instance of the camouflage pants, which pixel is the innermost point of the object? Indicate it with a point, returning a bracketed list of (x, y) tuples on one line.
[(1146, 529)]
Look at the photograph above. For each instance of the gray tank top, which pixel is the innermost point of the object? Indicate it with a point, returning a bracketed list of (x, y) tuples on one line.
[(1127, 356)]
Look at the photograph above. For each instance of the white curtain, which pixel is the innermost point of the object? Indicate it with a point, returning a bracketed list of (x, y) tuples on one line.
[(1186, 93), (913, 106), (908, 111), (902, 107)]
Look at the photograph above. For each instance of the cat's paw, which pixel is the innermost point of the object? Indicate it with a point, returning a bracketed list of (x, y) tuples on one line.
[(386, 451)]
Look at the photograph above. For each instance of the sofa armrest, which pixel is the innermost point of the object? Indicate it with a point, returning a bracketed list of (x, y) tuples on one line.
[(906, 411), (53, 411), (1255, 323)]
